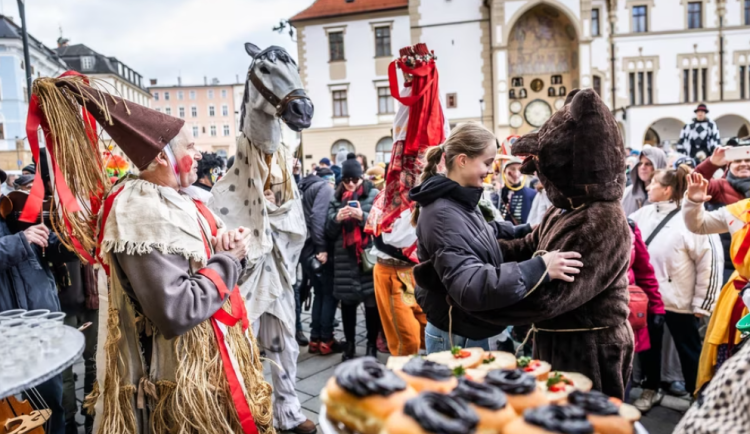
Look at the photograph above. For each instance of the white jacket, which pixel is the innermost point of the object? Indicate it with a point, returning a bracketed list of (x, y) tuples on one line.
[(688, 266)]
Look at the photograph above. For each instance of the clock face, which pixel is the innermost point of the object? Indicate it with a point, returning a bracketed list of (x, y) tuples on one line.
[(515, 107), (537, 112), (516, 121)]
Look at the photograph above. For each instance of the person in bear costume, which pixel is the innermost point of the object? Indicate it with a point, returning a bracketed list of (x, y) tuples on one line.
[(581, 326)]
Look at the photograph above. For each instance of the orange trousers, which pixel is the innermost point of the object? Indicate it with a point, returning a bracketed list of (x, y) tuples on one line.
[(402, 318)]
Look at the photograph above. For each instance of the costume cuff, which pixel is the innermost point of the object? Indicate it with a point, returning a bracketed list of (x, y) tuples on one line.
[(532, 272)]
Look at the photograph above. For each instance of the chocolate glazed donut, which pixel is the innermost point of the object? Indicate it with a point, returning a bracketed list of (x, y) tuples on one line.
[(420, 367), (441, 414), (513, 381), (481, 394), (365, 377), (594, 403), (567, 419)]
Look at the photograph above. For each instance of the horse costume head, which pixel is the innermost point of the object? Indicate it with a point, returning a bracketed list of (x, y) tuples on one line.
[(578, 153), (273, 90)]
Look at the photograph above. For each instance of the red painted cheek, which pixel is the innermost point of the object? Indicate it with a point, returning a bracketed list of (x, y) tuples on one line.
[(186, 164)]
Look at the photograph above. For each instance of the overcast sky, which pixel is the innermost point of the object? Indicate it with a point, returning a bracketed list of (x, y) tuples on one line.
[(165, 39)]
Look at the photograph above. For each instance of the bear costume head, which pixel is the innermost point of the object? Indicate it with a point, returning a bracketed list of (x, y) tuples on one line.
[(578, 154)]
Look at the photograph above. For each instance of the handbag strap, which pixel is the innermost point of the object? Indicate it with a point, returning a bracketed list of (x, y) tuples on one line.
[(661, 225)]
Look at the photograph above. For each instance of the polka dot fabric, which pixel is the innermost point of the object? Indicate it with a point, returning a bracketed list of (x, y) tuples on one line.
[(724, 406)]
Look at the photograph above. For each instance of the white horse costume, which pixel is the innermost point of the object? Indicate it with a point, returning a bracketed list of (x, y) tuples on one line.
[(278, 230)]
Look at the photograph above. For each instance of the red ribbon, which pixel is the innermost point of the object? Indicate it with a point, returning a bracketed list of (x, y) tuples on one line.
[(739, 258), (105, 214), (230, 320)]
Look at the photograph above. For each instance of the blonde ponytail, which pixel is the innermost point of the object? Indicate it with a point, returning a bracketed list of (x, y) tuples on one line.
[(675, 178)]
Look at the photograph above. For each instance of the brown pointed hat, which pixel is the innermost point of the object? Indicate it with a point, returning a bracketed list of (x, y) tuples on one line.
[(139, 131)]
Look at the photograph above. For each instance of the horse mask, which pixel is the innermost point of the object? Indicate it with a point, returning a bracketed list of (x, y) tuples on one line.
[(273, 91), (578, 153)]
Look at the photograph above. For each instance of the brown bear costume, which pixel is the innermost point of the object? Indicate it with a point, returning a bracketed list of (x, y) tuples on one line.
[(582, 326)]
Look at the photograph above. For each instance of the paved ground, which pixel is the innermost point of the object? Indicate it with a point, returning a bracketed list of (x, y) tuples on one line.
[(314, 370)]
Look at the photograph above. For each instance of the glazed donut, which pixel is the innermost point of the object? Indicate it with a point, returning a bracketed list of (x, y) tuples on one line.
[(547, 419), (433, 413), (362, 394), (490, 403), (521, 388), (428, 376), (603, 414)]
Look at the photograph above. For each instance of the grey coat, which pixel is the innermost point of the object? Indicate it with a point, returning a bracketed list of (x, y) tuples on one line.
[(636, 196)]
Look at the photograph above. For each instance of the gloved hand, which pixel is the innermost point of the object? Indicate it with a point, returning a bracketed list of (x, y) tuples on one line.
[(656, 320)]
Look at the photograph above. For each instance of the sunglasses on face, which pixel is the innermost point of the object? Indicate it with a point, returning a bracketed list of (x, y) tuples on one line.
[(349, 180)]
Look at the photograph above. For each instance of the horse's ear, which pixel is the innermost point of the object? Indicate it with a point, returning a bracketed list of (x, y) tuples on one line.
[(252, 49)]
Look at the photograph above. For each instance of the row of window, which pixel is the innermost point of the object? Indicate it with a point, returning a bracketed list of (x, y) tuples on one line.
[(382, 43), (194, 111), (694, 86), (212, 130), (639, 17), (382, 149), (341, 104), (191, 94)]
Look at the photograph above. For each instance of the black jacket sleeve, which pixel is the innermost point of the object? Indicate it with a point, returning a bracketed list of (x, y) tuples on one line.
[(318, 217), (507, 231)]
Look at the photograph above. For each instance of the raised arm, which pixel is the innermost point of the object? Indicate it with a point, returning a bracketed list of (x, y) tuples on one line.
[(697, 220)]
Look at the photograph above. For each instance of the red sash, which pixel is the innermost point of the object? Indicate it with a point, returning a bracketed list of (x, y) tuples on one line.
[(228, 319)]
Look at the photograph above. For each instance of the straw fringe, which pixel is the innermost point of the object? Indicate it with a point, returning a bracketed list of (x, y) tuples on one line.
[(78, 158), (89, 400), (144, 248)]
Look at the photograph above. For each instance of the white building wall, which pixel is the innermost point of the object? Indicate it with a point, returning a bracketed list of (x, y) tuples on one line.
[(359, 49), (433, 12)]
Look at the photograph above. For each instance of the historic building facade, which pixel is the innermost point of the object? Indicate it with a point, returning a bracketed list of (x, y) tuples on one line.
[(510, 64)]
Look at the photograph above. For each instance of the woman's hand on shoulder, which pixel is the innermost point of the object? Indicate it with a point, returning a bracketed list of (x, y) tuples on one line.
[(563, 265)]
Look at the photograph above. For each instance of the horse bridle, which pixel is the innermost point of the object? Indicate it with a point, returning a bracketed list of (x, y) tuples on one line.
[(280, 103)]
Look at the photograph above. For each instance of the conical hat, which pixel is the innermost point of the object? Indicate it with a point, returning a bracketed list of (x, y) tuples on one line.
[(139, 131)]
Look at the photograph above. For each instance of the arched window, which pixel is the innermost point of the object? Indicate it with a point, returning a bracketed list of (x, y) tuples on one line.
[(562, 91), (522, 93), (512, 94), (383, 150), (551, 91), (341, 145)]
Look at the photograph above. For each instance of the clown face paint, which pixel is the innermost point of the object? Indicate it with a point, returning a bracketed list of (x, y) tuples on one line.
[(186, 159)]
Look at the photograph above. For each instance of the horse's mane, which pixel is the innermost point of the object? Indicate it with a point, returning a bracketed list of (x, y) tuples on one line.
[(272, 54)]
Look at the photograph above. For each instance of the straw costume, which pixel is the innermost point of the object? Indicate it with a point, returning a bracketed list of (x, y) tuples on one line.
[(174, 352)]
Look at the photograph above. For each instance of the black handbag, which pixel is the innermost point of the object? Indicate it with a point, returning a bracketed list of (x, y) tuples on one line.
[(367, 261)]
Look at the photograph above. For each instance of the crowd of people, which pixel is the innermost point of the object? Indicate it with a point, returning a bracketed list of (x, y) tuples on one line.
[(450, 245)]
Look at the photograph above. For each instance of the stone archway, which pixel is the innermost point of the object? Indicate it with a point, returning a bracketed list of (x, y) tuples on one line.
[(542, 65), (732, 126), (665, 130)]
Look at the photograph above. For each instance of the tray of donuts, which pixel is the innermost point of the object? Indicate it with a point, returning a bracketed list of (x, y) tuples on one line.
[(467, 391)]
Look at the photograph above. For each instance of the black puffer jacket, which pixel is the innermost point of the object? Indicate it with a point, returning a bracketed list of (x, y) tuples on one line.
[(349, 284), (461, 261), (316, 196)]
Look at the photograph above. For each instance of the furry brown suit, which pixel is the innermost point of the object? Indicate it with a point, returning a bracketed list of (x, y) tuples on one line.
[(579, 158)]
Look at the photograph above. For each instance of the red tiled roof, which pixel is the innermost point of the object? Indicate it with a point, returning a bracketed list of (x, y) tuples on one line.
[(332, 8)]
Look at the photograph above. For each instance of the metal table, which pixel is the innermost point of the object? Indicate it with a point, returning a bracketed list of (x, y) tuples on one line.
[(70, 347)]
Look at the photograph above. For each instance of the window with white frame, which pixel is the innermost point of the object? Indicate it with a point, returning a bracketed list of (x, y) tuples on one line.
[(191, 94), (225, 110), (168, 110), (383, 150), (213, 130), (385, 101), (641, 72), (226, 130), (195, 131), (193, 112), (695, 15), (156, 96), (87, 63), (211, 110), (595, 22), (695, 78), (181, 111), (166, 96), (340, 106), (223, 93), (180, 95), (640, 19), (210, 93), (382, 41)]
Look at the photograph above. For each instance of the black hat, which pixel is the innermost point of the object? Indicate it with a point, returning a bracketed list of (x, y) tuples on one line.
[(701, 108), (351, 167), (23, 180), (3, 176), (31, 168)]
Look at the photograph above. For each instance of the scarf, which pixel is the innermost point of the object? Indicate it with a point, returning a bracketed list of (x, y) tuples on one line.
[(353, 236), (742, 185)]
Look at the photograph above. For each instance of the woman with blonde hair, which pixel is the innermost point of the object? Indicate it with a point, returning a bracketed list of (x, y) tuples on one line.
[(459, 254)]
